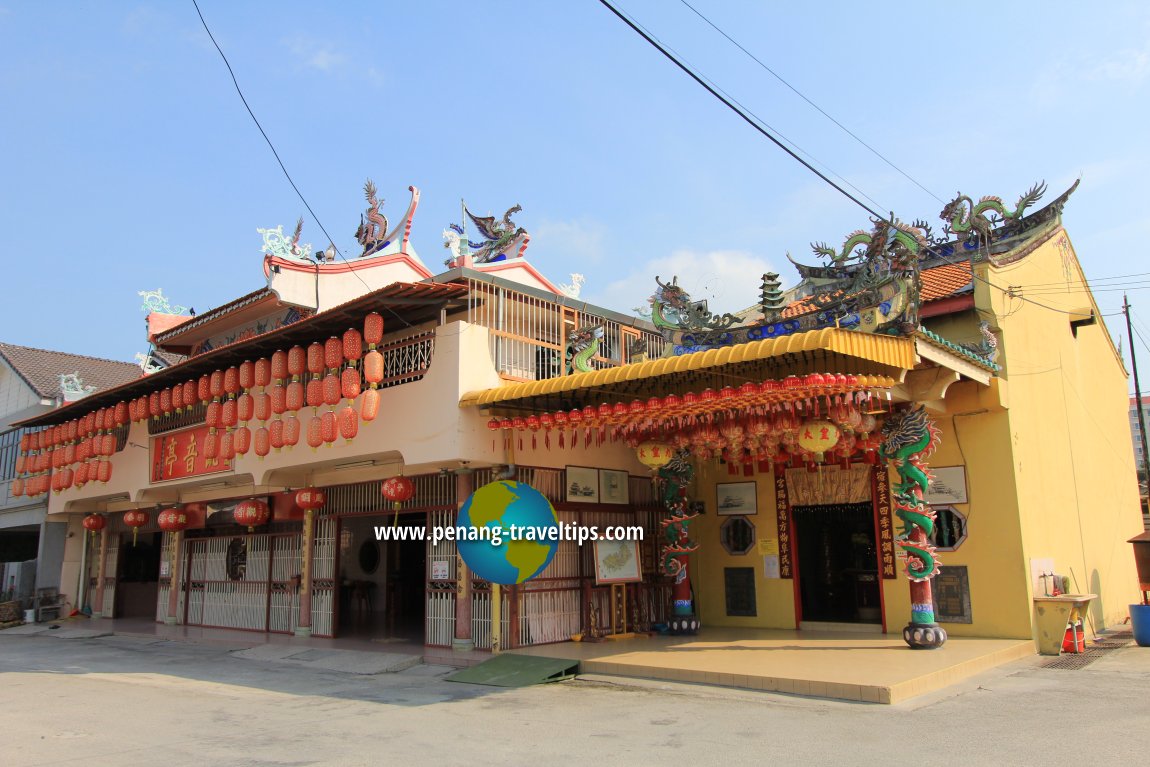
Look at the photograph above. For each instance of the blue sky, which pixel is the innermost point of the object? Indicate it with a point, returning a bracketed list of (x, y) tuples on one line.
[(129, 162)]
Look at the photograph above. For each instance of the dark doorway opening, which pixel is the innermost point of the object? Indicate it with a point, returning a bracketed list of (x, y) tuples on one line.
[(139, 577), (838, 567), (383, 583)]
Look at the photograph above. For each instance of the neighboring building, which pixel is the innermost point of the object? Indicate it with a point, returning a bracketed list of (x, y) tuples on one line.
[(31, 547), (489, 371)]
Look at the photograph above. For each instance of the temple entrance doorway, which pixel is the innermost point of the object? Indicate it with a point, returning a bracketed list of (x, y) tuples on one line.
[(837, 563)]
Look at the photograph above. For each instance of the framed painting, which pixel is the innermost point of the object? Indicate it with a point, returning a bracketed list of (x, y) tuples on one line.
[(617, 562), (948, 485), (736, 498), (614, 486), (582, 484)]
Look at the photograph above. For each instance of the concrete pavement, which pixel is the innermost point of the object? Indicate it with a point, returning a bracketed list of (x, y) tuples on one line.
[(136, 700)]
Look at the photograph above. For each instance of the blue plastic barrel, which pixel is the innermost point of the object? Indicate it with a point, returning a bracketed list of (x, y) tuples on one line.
[(1140, 622)]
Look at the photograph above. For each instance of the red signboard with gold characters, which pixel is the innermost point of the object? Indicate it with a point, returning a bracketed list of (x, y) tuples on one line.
[(182, 454)]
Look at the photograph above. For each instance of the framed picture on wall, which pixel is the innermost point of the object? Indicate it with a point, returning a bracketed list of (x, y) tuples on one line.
[(582, 484), (614, 486), (617, 562), (947, 486), (736, 498)]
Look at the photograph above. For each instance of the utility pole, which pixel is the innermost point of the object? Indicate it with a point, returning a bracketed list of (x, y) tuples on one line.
[(1137, 387)]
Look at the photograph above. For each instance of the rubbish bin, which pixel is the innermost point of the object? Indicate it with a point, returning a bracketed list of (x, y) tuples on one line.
[(1140, 623), (29, 616)]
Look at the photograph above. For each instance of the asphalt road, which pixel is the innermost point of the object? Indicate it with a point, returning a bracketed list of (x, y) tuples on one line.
[(141, 701)]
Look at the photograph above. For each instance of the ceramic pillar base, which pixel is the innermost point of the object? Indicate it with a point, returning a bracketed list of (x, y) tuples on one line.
[(924, 636)]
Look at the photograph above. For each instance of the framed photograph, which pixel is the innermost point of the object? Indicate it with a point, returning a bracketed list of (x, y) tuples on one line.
[(948, 485), (736, 498), (617, 562), (582, 484), (614, 486)]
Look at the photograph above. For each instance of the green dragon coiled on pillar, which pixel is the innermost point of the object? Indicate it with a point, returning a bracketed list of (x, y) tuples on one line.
[(908, 439), (676, 476)]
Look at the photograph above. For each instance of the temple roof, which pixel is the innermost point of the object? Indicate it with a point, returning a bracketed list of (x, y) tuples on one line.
[(41, 369), (938, 282)]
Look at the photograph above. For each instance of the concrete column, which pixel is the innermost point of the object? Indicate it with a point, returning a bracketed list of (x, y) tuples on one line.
[(101, 561), (176, 557), (303, 625), (464, 486)]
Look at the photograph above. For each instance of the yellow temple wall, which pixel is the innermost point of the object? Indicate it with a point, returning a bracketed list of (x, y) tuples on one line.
[(1068, 415)]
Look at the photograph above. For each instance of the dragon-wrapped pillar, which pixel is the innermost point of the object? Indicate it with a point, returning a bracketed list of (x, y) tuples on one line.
[(677, 542), (909, 438)]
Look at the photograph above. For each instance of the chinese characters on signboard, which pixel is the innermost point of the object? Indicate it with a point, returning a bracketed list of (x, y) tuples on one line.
[(181, 454), (783, 511), (885, 522)]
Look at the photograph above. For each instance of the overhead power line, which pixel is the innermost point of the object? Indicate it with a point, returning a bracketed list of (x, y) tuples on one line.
[(271, 146), (803, 96), (733, 107)]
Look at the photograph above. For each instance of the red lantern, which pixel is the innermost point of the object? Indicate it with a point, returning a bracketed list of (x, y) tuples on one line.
[(252, 512), (349, 383), (228, 413), (172, 520), (373, 329), (314, 432), (373, 368), (231, 381), (94, 523), (332, 390), (211, 446), (245, 406), (103, 472), (17, 487), (216, 384), (247, 375), (120, 415), (352, 346), (370, 407), (333, 353), (348, 423), (294, 397), (242, 440), (136, 520), (291, 431), (153, 405), (279, 366), (178, 398), (398, 490), (204, 388), (328, 428), (315, 358), (277, 399), (262, 406), (314, 393), (227, 445), (296, 362), (263, 441), (262, 372), (275, 435), (189, 388), (310, 498)]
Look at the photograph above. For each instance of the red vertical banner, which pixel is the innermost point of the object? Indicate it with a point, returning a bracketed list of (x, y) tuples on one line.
[(783, 513), (884, 521)]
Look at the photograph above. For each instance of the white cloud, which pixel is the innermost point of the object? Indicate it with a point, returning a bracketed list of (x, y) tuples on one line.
[(315, 54), (571, 242), (1127, 66), (728, 279)]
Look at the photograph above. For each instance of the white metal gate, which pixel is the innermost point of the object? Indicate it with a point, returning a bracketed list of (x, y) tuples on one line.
[(243, 582)]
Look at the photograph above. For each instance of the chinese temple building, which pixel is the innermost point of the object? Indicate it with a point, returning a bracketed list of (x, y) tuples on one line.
[(904, 443)]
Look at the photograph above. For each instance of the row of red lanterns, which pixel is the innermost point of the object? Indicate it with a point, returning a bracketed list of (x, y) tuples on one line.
[(47, 455)]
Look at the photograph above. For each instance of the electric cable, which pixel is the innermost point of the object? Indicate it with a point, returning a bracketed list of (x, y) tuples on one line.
[(803, 96)]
